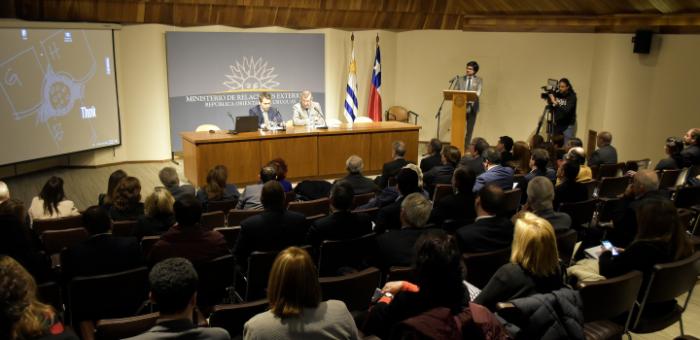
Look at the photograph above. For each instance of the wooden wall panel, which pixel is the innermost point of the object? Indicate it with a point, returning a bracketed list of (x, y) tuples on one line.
[(381, 148), (240, 158), (333, 151), (300, 154)]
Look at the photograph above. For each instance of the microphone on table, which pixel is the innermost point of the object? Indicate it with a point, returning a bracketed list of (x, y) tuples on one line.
[(324, 126), (233, 120)]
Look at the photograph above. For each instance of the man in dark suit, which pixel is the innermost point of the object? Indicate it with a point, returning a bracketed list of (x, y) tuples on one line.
[(540, 194), (442, 174), (396, 247), (691, 153), (250, 200), (606, 153), (569, 190), (342, 224), (391, 168), (473, 160), (359, 183), (171, 181), (505, 147), (433, 157), (187, 238), (495, 173), (490, 231), (458, 207), (268, 116), (274, 229), (388, 216), (101, 253)]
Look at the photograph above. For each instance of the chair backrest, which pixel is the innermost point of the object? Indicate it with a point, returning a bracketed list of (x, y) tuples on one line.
[(591, 186), (236, 216), (121, 328), (223, 206), (668, 179), (581, 213), (372, 212), (50, 293), (511, 201), (441, 190), (361, 199), (55, 240), (259, 265), (312, 219), (207, 127), (213, 219), (107, 296), (400, 274), (289, 197), (565, 245), (398, 113), (637, 165), (611, 187), (607, 299), (595, 171), (147, 243), (355, 289), (337, 254), (670, 280), (232, 317), (482, 266), (311, 208), (67, 222), (124, 228), (214, 277), (610, 170), (687, 197), (230, 234)]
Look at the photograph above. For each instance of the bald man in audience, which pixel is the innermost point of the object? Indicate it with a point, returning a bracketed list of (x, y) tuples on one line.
[(540, 194), (359, 183), (606, 153)]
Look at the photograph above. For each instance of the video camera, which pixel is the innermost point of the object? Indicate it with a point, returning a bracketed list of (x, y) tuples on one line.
[(550, 88)]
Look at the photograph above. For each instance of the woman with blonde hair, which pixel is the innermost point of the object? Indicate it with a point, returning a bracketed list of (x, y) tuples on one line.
[(534, 264), (159, 214), (22, 316), (296, 310)]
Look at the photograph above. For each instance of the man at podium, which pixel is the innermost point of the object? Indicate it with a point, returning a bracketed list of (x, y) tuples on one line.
[(470, 82)]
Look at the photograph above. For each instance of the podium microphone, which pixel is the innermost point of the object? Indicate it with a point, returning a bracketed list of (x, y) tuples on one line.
[(454, 79)]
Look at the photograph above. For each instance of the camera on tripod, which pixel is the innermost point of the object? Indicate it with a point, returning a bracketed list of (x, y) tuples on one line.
[(550, 88)]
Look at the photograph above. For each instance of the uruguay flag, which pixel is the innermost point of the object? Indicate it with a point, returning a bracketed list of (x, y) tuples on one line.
[(375, 96), (350, 110)]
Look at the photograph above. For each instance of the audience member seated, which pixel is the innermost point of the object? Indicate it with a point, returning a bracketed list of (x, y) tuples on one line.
[(250, 200), (442, 174), (396, 247), (274, 229), (474, 160), (187, 238), (216, 188), (534, 264), (359, 183), (104, 200), (569, 190), (391, 169), (126, 200), (573, 143), (577, 156), (341, 224), (606, 153), (439, 283), (539, 161), (432, 158), (537, 142), (558, 141), (490, 231), (52, 202), (173, 283), (540, 194), (673, 149), (495, 173), (22, 316), (691, 153), (521, 158), (505, 147), (159, 215), (661, 238), (169, 178), (101, 253), (296, 310), (281, 170), (4, 192), (644, 187), (459, 206), (389, 216), (16, 237)]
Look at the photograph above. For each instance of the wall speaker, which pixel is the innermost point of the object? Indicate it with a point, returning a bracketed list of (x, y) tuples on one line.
[(642, 41)]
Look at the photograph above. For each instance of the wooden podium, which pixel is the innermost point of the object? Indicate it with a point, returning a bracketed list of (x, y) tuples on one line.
[(459, 114)]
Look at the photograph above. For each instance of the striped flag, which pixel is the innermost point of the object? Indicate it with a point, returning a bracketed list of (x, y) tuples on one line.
[(375, 96), (351, 90)]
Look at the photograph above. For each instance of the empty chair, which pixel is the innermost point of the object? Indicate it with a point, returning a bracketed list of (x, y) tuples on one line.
[(355, 289), (147, 243), (362, 199), (637, 165), (54, 241), (313, 218), (591, 185), (232, 317), (372, 212), (482, 266), (115, 329), (610, 170), (668, 179), (257, 273), (50, 294), (565, 245), (230, 234), (311, 208), (335, 255), (398, 113), (236, 216), (289, 197), (441, 190), (581, 213), (215, 277), (223, 206), (67, 222), (688, 197), (511, 201), (124, 228), (611, 187), (207, 127), (605, 300), (213, 219)]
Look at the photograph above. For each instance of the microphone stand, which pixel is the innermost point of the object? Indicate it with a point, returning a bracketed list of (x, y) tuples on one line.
[(439, 111)]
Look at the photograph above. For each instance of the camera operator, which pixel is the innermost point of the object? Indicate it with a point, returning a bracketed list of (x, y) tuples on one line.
[(563, 103)]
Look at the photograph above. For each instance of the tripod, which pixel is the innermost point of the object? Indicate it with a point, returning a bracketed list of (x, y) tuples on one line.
[(546, 118)]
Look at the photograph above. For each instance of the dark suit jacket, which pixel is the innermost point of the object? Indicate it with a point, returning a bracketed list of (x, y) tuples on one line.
[(429, 162), (691, 155), (604, 155), (669, 163), (181, 190), (389, 216), (506, 156), (359, 183), (341, 225), (569, 192), (156, 225), (559, 221), (486, 234), (101, 254), (131, 213), (499, 175), (397, 247), (390, 169), (441, 174), (273, 114), (270, 230), (458, 207), (625, 218), (474, 164), (193, 243)]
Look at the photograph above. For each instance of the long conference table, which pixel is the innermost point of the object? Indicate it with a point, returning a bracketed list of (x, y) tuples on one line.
[(309, 153)]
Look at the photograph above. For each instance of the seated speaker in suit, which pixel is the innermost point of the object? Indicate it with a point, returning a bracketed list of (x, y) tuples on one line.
[(442, 174), (274, 229), (388, 216), (359, 183), (540, 195), (307, 111), (432, 158), (472, 157), (101, 253), (458, 208), (342, 224), (268, 116), (391, 168), (606, 153), (490, 231), (250, 200), (495, 173)]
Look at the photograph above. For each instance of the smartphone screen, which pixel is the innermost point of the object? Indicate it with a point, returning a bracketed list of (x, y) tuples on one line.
[(607, 245)]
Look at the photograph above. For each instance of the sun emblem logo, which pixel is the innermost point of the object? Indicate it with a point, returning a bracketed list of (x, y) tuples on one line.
[(251, 74)]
